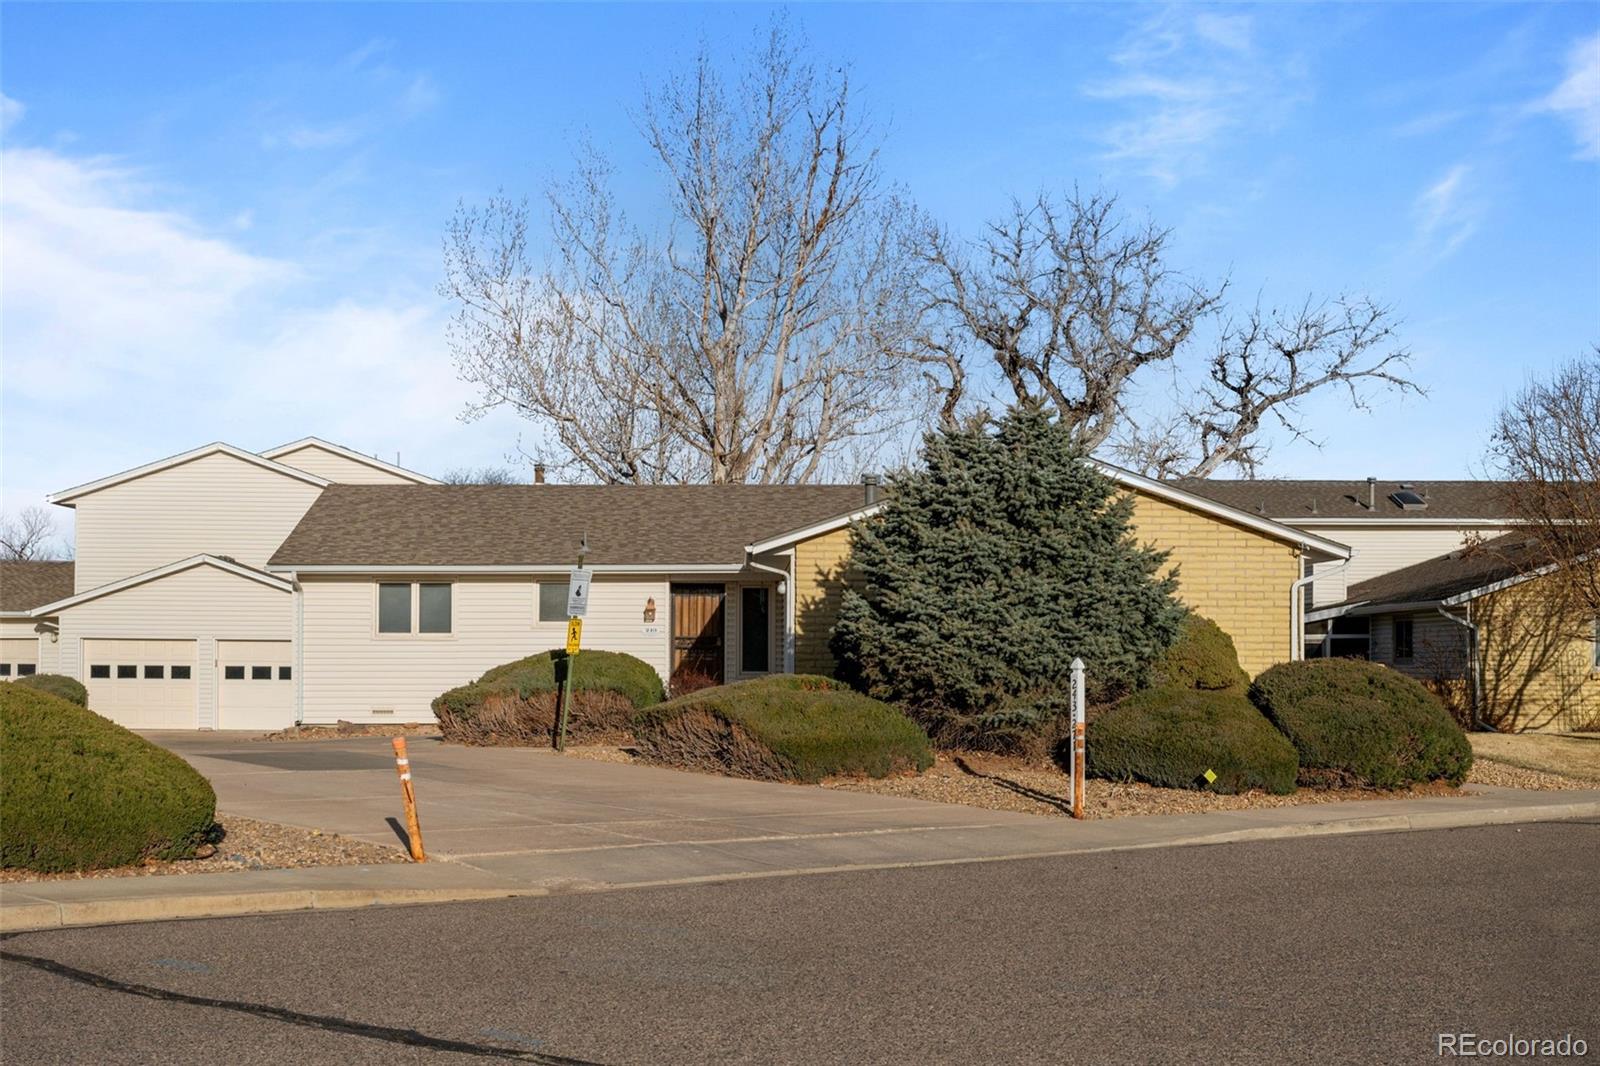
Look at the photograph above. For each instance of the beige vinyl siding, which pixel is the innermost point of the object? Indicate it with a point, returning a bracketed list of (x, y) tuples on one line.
[(332, 466), (216, 504), (47, 653), (348, 669), (1379, 550), (1439, 646), (201, 603)]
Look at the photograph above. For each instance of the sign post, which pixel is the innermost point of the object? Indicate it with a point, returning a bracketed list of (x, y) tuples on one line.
[(1078, 764), (577, 606)]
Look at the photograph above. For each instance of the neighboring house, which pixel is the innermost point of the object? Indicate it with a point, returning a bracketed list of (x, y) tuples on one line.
[(226, 589), (1488, 628), (1387, 525), (28, 644)]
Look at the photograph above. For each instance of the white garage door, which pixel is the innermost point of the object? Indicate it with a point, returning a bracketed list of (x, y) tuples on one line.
[(256, 686), (19, 656), (142, 684)]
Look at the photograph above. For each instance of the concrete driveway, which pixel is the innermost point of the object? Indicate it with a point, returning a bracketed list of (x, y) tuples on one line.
[(518, 811)]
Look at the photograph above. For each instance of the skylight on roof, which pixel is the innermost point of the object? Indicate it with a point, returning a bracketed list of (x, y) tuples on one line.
[(1409, 499)]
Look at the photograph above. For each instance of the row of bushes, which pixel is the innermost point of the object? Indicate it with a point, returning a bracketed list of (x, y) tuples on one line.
[(1326, 722)]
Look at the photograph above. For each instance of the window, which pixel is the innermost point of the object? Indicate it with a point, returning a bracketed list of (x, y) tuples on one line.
[(283, 673), (155, 673), (394, 608), (26, 669), (233, 673), (100, 670), (261, 673), (553, 601), (433, 608), (126, 671), (5, 669), (755, 630), (1349, 638), (1402, 640), (180, 673)]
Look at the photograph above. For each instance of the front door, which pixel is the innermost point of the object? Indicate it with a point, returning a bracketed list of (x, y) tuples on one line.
[(697, 655)]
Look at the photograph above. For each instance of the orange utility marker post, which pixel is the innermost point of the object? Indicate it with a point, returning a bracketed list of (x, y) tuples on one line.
[(1078, 763), (413, 830)]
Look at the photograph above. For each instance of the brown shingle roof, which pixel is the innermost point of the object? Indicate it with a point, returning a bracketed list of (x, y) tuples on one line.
[(540, 525), (1460, 571), (26, 585), (1303, 502)]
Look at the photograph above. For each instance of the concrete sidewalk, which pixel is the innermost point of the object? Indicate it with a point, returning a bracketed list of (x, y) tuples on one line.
[(509, 822)]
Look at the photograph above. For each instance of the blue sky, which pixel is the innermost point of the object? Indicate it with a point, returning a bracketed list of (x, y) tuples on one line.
[(224, 222)]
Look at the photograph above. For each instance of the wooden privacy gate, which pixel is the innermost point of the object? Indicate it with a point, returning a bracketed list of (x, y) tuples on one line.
[(697, 642)]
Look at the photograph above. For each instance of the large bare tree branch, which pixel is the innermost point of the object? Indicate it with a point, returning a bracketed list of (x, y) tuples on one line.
[(31, 534), (762, 336)]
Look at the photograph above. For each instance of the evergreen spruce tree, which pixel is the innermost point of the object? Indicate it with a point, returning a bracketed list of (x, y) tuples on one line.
[(987, 571)]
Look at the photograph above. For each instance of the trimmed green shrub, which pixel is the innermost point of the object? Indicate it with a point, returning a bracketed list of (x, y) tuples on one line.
[(1362, 724), (78, 792), (992, 565), (1170, 737), (67, 688), (517, 702), (788, 727), (1202, 657)]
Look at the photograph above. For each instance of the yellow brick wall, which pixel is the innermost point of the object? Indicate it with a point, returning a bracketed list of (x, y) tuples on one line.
[(1234, 576), (1238, 578), (1537, 660), (820, 580)]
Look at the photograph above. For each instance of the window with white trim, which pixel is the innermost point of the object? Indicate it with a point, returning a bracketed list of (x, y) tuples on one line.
[(409, 607), (553, 600)]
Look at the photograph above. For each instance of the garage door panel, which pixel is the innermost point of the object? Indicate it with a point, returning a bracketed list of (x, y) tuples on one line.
[(256, 684), (142, 684), (19, 656)]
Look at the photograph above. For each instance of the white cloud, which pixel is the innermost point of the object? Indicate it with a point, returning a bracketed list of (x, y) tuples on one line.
[(1577, 98), (11, 112), (1447, 214), (131, 332), (1186, 78)]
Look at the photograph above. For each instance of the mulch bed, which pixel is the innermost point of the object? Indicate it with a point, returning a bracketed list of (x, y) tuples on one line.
[(351, 729), (1000, 783), (246, 844)]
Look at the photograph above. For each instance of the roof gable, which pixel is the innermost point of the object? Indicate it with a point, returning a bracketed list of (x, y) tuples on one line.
[(349, 454), (1451, 578), (220, 562), (66, 496)]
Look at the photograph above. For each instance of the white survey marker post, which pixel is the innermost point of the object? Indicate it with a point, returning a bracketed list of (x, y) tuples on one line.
[(577, 592), (1078, 761)]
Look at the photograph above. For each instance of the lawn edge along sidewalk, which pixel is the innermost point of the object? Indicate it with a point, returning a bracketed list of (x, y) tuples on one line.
[(36, 905)]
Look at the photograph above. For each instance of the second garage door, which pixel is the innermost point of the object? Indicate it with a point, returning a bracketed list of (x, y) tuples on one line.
[(256, 686), (142, 684)]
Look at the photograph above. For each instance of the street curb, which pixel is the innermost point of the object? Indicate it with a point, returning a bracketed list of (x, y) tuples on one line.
[(36, 914)]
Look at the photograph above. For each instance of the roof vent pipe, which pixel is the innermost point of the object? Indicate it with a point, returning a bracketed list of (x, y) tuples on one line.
[(538, 473), (1372, 494), (869, 487)]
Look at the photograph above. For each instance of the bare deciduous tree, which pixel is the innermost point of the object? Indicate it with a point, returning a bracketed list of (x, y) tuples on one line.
[(764, 333), (29, 535), (1546, 444), (483, 475), (1074, 305)]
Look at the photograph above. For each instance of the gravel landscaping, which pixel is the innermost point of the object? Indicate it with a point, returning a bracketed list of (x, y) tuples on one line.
[(246, 844)]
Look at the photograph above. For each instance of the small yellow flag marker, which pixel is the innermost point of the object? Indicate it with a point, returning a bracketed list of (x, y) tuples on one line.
[(1211, 777)]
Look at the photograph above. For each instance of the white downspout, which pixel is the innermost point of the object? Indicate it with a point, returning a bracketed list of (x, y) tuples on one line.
[(1297, 637), (299, 651), (786, 590), (1472, 660)]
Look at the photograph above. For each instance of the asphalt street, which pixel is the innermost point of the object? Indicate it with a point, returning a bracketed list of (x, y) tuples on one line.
[(1355, 949)]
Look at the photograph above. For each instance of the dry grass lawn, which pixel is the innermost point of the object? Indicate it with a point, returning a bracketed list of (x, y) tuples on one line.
[(1568, 755)]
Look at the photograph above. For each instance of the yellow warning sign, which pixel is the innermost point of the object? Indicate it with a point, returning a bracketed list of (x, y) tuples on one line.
[(574, 634), (1210, 775)]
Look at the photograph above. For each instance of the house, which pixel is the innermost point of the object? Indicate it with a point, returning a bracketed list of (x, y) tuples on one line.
[(228, 589), (1488, 627)]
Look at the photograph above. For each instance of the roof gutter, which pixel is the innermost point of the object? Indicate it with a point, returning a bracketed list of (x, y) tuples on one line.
[(355, 570)]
